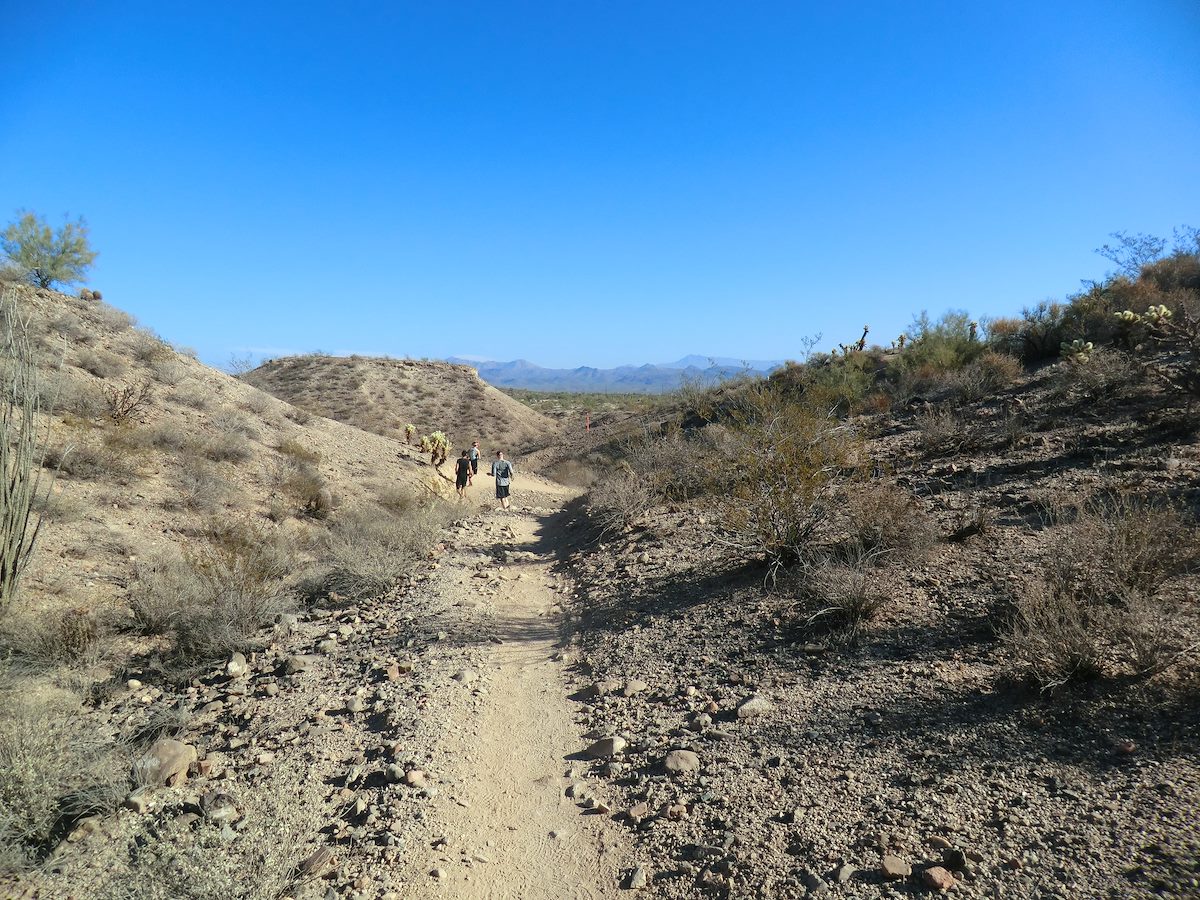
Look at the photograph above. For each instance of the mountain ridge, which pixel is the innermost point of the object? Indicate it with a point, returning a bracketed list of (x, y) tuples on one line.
[(643, 378)]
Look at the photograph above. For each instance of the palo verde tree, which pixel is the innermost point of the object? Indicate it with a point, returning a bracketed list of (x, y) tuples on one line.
[(45, 256)]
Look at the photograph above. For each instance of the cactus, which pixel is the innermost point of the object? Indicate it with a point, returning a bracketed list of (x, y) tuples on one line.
[(861, 344), (409, 431), (439, 448), (974, 330), (1077, 351)]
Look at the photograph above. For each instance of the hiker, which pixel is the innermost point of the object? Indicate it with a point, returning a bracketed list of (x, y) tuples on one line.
[(503, 470), (462, 475), (474, 459)]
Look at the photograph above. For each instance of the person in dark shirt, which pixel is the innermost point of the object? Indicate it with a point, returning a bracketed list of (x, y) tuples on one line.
[(462, 475)]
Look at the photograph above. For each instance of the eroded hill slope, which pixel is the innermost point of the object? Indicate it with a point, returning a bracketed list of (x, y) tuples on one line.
[(385, 395)]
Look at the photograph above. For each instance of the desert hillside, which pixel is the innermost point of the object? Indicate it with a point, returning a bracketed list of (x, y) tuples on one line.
[(386, 395), (894, 622)]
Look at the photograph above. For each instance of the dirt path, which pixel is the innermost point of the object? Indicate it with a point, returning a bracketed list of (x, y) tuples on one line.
[(503, 826)]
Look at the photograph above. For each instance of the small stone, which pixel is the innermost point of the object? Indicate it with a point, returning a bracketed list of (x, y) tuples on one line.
[(236, 667), (602, 688), (754, 706), (465, 676), (138, 801), (894, 868), (355, 704), (327, 646), (394, 772), (415, 778), (133, 684), (392, 672), (938, 842), (937, 879), (680, 761), (438, 874), (954, 860), (316, 862), (294, 665), (873, 718), (638, 879), (814, 883), (639, 811), (609, 746), (844, 873), (577, 790), (166, 762), (634, 686)]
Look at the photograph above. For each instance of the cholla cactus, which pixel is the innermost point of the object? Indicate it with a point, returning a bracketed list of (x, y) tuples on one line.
[(974, 331), (1157, 315), (1077, 351), (426, 444), (439, 448), (409, 431), (901, 341), (861, 344)]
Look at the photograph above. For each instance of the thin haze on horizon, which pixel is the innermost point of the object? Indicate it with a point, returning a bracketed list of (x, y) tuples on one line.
[(595, 185)]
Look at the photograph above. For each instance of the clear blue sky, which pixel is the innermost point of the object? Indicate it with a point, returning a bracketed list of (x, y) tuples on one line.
[(594, 183)]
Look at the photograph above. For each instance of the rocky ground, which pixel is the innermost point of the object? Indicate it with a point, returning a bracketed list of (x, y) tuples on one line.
[(424, 736), (757, 759)]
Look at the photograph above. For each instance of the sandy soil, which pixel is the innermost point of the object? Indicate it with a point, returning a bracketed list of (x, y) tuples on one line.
[(507, 827)]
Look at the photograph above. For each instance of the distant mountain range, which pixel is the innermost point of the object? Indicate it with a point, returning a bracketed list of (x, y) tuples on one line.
[(645, 379)]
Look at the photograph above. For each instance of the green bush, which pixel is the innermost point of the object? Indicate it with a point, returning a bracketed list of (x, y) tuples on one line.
[(783, 463), (369, 550), (45, 256)]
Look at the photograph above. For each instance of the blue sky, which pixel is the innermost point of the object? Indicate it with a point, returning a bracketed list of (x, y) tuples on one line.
[(594, 183)]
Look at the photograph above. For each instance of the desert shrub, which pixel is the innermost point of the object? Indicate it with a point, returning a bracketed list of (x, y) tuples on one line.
[(199, 485), (192, 395), (942, 346), (297, 451), (226, 446), (259, 403), (219, 597), (942, 431), (100, 363), (184, 350), (275, 833), (784, 460), (127, 403), (837, 595), (72, 637), (839, 383), (619, 499), (307, 488), (54, 769), (1100, 374), (73, 330), (368, 549), (298, 415), (168, 371), (148, 348), (1108, 599), (112, 318), (882, 517), (230, 421), (1043, 329)]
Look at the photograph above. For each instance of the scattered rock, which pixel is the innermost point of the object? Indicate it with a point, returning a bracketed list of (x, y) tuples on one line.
[(355, 704), (754, 706), (166, 762), (294, 665), (844, 873), (393, 773), (678, 762), (236, 667), (634, 686), (415, 778), (894, 868), (937, 879), (638, 879), (609, 746)]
